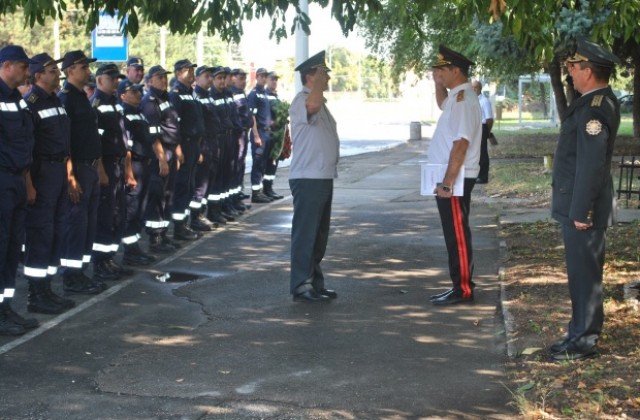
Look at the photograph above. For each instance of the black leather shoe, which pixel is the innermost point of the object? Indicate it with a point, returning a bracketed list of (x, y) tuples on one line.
[(573, 352), (259, 197), (482, 181), (80, 284), (560, 345), (331, 294), (451, 299), (13, 316), (102, 271), (310, 296), (274, 195), (439, 295)]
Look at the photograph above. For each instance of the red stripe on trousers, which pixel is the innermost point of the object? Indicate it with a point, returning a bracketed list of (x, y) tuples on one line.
[(461, 240)]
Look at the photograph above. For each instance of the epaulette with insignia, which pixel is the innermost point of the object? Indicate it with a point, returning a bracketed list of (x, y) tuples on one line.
[(32, 98), (597, 100), (460, 96), (95, 103)]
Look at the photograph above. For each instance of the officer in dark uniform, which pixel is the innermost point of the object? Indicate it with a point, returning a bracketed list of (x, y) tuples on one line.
[(47, 187), (232, 203), (191, 133), (219, 189), (112, 206), (260, 147), (239, 84), (209, 149), (582, 193), (138, 171), (16, 145), (165, 130), (85, 175), (135, 70), (90, 87), (271, 162)]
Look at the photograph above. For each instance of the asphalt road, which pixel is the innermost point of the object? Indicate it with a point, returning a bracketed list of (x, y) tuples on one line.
[(232, 345)]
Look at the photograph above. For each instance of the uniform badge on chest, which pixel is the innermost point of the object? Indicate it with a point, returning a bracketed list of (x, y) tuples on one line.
[(594, 127)]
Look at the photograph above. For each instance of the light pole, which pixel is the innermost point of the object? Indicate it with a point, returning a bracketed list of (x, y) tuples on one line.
[(302, 42)]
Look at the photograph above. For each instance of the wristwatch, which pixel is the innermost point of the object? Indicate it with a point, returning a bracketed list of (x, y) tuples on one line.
[(446, 188)]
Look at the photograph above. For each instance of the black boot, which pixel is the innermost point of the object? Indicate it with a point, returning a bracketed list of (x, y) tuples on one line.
[(257, 196), (215, 215), (199, 223), (118, 269), (134, 255), (170, 241), (39, 301), (182, 232), (7, 325), (267, 188), (158, 245), (103, 271), (64, 302), (74, 281), (26, 323)]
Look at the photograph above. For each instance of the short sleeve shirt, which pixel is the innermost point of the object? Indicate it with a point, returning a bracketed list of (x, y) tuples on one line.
[(315, 142), (461, 118)]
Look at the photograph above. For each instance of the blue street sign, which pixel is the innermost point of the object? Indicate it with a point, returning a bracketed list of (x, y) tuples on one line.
[(107, 41)]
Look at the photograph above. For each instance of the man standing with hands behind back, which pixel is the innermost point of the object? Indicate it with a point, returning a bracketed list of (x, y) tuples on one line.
[(316, 148), (582, 190), (456, 144)]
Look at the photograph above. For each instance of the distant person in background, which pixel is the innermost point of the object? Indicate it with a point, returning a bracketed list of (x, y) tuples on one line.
[(314, 165), (487, 125), (582, 193), (135, 70), (90, 87)]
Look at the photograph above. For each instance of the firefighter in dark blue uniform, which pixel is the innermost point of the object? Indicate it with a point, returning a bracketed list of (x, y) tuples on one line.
[(46, 187), (239, 80), (209, 149), (260, 146), (85, 175), (111, 209), (219, 189), (164, 127), (135, 70), (271, 162), (233, 203), (16, 145), (191, 132), (138, 171)]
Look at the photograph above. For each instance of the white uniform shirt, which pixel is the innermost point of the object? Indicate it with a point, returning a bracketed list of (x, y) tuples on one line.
[(315, 146), (461, 118), (485, 106)]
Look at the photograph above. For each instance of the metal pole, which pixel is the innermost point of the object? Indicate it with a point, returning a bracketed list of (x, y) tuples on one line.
[(56, 38), (200, 47), (302, 43), (163, 46)]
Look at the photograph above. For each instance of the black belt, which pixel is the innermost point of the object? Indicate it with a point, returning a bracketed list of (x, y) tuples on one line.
[(14, 171), (53, 158), (87, 162)]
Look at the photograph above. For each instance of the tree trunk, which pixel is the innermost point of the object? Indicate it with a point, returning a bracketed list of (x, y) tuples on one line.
[(543, 98), (555, 71)]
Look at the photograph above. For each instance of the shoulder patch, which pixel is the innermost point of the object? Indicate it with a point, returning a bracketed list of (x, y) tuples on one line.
[(460, 96), (597, 100), (95, 103), (32, 98), (594, 127)]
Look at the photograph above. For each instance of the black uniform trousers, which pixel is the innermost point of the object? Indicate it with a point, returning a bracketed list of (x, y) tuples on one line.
[(161, 188), (243, 144), (12, 218), (259, 154), (484, 154), (224, 178), (584, 253), (206, 171), (46, 219), (312, 200), (185, 178), (80, 231), (454, 216), (111, 210), (137, 199), (236, 136)]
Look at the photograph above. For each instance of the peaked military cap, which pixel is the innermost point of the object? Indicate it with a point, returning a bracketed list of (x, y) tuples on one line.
[(590, 51), (109, 70), (14, 53), (227, 70), (183, 64), (135, 62), (217, 70), (40, 61), (317, 61), (127, 85), (448, 57), (202, 69), (157, 71), (76, 57), (261, 70)]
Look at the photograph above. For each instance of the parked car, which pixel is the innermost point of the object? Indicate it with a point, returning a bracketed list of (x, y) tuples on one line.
[(626, 103)]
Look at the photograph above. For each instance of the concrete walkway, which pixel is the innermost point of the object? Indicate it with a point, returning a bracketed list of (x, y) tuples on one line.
[(232, 344)]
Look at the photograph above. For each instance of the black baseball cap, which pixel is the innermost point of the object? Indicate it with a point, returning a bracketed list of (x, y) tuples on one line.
[(273, 75), (183, 64), (14, 53), (127, 85), (236, 72), (40, 61), (261, 70), (202, 69), (109, 70), (76, 57), (135, 62), (157, 70)]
